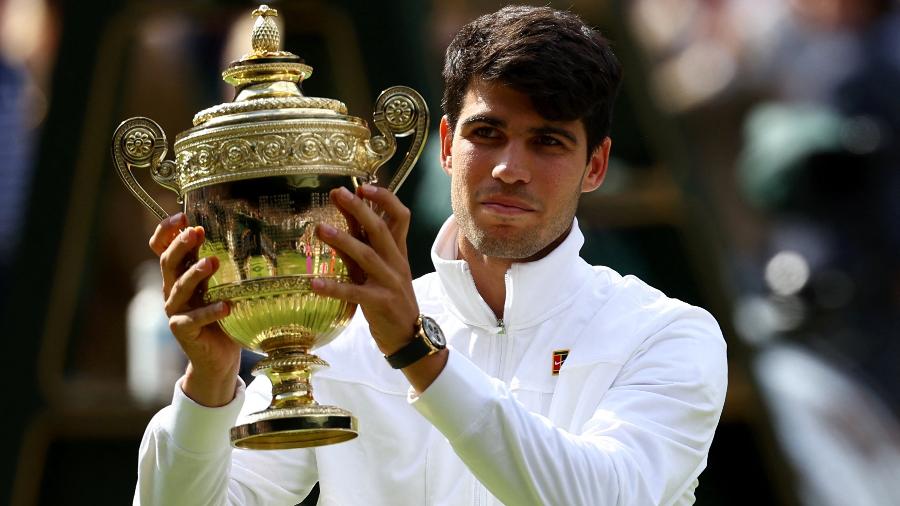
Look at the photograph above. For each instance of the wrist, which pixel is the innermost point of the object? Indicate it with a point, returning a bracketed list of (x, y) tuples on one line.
[(390, 344), (422, 373), (427, 339), (209, 389)]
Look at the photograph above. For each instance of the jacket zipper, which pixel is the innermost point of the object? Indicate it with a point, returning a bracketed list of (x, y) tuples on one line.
[(480, 492), (502, 337), (502, 341)]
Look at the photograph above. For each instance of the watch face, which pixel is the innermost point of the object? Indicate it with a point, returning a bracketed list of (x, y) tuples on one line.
[(434, 332)]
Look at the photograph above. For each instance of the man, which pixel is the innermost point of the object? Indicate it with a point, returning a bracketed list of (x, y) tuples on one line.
[(497, 416)]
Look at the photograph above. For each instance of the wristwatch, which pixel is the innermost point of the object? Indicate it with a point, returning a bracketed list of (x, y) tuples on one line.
[(428, 340)]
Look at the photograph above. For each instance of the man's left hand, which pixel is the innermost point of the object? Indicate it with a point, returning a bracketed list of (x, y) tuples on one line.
[(386, 297)]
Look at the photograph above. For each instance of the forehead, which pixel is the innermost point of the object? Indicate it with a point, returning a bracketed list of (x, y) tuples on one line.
[(513, 108)]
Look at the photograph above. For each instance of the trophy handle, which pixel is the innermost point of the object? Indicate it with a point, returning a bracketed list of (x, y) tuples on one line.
[(140, 142), (399, 111)]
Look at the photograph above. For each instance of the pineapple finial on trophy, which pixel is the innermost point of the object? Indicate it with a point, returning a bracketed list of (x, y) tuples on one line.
[(264, 36), (266, 71)]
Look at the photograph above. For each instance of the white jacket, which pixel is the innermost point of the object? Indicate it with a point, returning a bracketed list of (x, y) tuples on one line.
[(627, 421)]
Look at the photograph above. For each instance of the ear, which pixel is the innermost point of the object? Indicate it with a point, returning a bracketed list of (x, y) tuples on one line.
[(595, 171), (446, 145)]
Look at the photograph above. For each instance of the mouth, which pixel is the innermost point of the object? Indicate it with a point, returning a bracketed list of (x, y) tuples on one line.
[(507, 205)]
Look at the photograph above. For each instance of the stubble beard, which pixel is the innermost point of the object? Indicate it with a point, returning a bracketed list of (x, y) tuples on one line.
[(524, 243)]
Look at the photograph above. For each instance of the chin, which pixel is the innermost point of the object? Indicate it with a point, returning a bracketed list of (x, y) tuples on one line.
[(515, 245)]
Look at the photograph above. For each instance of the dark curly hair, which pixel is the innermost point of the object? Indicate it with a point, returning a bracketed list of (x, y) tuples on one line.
[(567, 69)]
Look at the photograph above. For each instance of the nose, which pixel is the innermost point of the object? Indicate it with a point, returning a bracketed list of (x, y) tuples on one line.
[(512, 166)]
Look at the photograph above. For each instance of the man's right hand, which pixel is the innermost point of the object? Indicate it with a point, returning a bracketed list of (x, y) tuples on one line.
[(214, 357)]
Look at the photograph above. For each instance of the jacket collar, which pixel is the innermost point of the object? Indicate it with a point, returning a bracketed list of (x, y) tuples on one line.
[(534, 290)]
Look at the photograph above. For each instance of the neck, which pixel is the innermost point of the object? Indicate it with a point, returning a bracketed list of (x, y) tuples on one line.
[(489, 273)]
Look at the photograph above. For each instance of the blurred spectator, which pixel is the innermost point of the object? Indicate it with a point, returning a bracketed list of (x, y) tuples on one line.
[(824, 163), (27, 40), (16, 154), (815, 84), (801, 99)]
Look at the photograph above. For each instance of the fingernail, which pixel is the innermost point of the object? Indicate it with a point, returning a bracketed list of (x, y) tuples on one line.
[(317, 283), (345, 193), (221, 307), (203, 264), (368, 190), (327, 230), (176, 218)]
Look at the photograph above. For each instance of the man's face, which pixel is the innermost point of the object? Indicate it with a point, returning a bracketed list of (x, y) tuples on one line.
[(515, 176)]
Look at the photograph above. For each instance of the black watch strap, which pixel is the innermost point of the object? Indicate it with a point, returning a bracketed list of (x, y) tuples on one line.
[(427, 339), (409, 354)]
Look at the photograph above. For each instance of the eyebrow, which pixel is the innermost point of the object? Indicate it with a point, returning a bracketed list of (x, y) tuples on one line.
[(542, 130), (481, 118)]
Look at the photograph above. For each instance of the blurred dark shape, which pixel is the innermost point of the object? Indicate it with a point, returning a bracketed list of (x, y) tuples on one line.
[(841, 437), (790, 114), (824, 164), (15, 168)]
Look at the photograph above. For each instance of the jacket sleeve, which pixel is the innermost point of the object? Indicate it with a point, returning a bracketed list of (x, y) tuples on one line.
[(645, 443), (185, 458)]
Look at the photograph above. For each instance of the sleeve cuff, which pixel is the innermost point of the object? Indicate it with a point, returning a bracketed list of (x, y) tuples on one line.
[(200, 429), (456, 399)]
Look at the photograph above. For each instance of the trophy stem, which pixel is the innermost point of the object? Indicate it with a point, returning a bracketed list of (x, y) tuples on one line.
[(293, 419), (289, 370)]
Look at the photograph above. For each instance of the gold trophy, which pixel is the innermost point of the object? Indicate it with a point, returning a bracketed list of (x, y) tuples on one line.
[(256, 173)]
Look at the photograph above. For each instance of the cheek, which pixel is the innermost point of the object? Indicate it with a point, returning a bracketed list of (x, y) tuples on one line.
[(465, 164), (562, 183)]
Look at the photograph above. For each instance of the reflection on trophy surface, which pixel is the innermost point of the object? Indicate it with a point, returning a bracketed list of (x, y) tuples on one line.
[(256, 174)]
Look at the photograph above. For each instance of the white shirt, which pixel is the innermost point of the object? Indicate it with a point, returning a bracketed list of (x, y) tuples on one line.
[(627, 421)]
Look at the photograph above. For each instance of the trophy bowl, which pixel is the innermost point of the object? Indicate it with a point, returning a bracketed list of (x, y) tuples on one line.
[(256, 174)]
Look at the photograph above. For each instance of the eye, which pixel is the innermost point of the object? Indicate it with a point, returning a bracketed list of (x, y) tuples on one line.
[(548, 140), (486, 132)]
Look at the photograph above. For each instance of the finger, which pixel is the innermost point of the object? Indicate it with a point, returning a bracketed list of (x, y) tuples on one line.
[(354, 271), (362, 254), (388, 316), (166, 232), (357, 294), (185, 287), (186, 326), (175, 260), (377, 232), (396, 215)]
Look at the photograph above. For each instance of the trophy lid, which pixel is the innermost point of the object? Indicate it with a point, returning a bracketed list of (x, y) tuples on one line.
[(272, 130), (267, 79)]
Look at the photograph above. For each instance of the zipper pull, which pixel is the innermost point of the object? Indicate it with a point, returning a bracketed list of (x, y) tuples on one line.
[(501, 329)]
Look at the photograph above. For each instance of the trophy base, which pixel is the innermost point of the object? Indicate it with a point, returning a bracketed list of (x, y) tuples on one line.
[(279, 429), (293, 419)]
